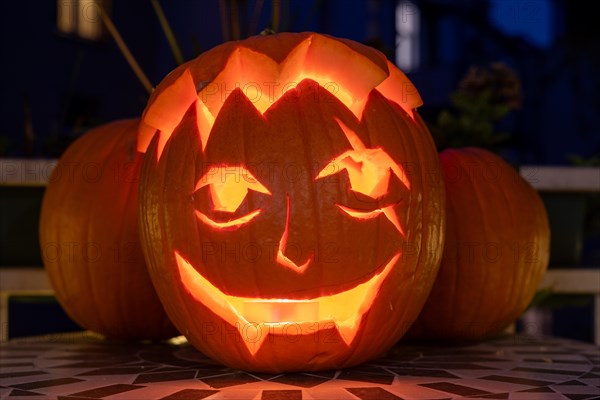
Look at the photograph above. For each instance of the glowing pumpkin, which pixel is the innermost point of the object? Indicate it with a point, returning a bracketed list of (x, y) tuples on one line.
[(289, 209), (496, 251), (89, 237)]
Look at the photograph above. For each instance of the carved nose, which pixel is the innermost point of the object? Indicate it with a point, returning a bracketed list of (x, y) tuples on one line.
[(288, 252)]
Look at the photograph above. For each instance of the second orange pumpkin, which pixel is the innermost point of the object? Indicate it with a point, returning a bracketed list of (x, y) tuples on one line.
[(496, 251), (89, 237)]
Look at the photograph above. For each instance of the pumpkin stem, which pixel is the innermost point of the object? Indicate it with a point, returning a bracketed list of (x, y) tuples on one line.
[(267, 32)]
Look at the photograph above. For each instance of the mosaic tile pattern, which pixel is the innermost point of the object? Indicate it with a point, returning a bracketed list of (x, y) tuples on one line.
[(82, 366)]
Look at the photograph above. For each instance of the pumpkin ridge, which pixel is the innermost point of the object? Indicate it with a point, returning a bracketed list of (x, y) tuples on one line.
[(120, 155), (57, 279), (425, 234), (149, 207), (87, 213), (479, 204), (366, 136), (121, 289), (225, 140), (515, 279), (251, 227), (511, 299), (365, 131), (157, 215), (455, 272), (126, 197), (533, 271), (422, 323), (423, 214), (499, 285), (314, 195), (96, 298), (130, 197), (64, 291)]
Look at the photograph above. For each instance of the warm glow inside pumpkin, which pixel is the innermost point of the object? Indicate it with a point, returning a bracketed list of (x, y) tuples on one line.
[(369, 172), (263, 80), (342, 310), (278, 198)]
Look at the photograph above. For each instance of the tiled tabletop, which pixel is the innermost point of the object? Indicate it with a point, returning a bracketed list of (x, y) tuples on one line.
[(83, 366)]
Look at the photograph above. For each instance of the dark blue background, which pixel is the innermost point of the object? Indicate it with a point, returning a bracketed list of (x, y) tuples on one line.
[(67, 84)]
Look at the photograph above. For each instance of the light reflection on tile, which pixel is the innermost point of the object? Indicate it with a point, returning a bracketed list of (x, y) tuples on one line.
[(512, 368)]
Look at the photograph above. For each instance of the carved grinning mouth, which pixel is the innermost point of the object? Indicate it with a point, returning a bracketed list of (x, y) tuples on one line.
[(255, 317)]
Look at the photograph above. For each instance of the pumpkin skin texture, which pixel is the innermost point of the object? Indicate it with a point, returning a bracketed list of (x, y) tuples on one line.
[(496, 251), (90, 241), (281, 230)]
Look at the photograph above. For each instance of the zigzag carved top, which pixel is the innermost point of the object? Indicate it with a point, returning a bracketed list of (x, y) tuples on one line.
[(265, 68)]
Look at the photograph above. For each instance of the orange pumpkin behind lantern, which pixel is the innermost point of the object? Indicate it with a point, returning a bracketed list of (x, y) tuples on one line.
[(289, 209), (89, 237), (496, 252)]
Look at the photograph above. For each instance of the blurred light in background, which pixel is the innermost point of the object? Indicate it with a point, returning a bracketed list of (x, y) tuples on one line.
[(408, 32), (81, 18)]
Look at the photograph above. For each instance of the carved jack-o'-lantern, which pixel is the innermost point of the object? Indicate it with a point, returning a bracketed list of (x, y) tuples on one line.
[(290, 202)]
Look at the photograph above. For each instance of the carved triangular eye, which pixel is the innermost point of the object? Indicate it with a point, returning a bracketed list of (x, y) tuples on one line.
[(369, 170), (228, 187)]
